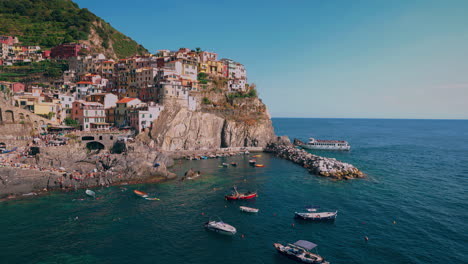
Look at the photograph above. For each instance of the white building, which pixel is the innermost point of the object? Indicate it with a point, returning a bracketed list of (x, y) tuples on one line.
[(141, 118)]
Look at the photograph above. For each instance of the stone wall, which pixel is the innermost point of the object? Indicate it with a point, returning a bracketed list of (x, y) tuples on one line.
[(17, 122)]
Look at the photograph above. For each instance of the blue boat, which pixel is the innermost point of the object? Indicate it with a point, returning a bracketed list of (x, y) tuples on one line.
[(8, 151)]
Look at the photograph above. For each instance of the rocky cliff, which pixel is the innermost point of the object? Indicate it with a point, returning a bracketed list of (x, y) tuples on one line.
[(214, 126)]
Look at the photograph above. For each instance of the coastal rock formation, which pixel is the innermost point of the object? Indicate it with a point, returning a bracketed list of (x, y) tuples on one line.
[(327, 167), (178, 128), (72, 167), (181, 129)]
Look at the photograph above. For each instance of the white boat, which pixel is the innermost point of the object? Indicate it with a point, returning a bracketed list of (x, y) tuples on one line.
[(248, 209), (90, 193), (324, 216), (300, 251), (220, 227), (325, 144)]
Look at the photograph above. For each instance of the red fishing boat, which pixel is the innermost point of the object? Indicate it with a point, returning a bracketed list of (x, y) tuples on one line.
[(240, 196), (140, 193)]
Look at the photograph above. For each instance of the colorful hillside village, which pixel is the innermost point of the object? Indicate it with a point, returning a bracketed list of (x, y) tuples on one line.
[(97, 93)]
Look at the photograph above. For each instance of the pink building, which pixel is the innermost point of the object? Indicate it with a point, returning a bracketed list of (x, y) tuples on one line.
[(65, 51), (90, 115), (207, 56), (8, 40), (17, 87)]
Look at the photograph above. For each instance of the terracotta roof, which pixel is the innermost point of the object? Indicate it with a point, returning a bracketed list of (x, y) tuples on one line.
[(125, 100), (83, 82)]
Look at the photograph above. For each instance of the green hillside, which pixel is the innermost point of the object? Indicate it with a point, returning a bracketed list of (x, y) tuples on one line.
[(48, 23)]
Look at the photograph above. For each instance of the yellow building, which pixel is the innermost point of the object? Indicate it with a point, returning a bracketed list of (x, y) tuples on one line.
[(51, 110), (203, 67)]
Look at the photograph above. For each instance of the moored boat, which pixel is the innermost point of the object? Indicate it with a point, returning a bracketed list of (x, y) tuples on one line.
[(140, 193), (225, 164), (300, 251), (323, 216), (259, 165), (5, 151), (234, 164), (240, 196), (252, 161), (248, 209), (324, 144), (90, 193), (220, 227)]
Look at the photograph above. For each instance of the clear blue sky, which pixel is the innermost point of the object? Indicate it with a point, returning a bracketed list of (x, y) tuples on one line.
[(321, 58)]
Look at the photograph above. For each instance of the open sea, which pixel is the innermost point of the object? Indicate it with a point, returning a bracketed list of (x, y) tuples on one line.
[(413, 205)]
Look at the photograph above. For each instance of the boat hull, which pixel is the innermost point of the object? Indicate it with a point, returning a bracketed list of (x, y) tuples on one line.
[(282, 251), (248, 209), (140, 193), (220, 231), (240, 197), (312, 147), (316, 218)]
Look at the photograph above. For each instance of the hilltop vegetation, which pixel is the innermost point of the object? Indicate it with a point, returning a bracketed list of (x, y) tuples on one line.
[(44, 71), (48, 23)]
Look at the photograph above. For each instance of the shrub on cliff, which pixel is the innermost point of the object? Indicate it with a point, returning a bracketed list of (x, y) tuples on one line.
[(206, 101)]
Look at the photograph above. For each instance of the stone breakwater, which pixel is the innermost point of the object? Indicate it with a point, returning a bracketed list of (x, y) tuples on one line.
[(327, 167)]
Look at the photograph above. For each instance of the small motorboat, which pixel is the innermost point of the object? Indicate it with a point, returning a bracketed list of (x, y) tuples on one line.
[(90, 193), (248, 209), (323, 216), (240, 196), (220, 227), (256, 156), (259, 165), (204, 157), (234, 164), (225, 164), (141, 194), (5, 151), (252, 161), (300, 251)]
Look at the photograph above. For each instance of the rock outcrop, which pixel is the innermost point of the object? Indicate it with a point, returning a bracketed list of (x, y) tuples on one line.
[(327, 167), (72, 167), (178, 128)]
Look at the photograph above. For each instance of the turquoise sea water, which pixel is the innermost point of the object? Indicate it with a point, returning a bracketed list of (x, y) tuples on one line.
[(417, 176)]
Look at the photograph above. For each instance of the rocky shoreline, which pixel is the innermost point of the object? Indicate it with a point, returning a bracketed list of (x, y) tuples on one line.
[(326, 167), (71, 167)]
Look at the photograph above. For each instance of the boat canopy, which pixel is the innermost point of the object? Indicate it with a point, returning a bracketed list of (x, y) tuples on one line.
[(305, 244)]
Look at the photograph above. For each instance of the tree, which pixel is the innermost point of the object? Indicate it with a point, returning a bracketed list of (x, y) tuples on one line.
[(70, 122)]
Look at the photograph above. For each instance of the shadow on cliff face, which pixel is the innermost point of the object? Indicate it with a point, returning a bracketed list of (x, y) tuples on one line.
[(119, 148)]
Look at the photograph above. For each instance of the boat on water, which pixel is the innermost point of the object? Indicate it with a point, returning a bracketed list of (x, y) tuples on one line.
[(225, 164), (323, 216), (140, 193), (259, 165), (234, 164), (5, 151), (324, 144), (300, 251), (220, 227), (145, 195), (252, 161), (240, 196), (248, 209), (256, 156), (90, 193)]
